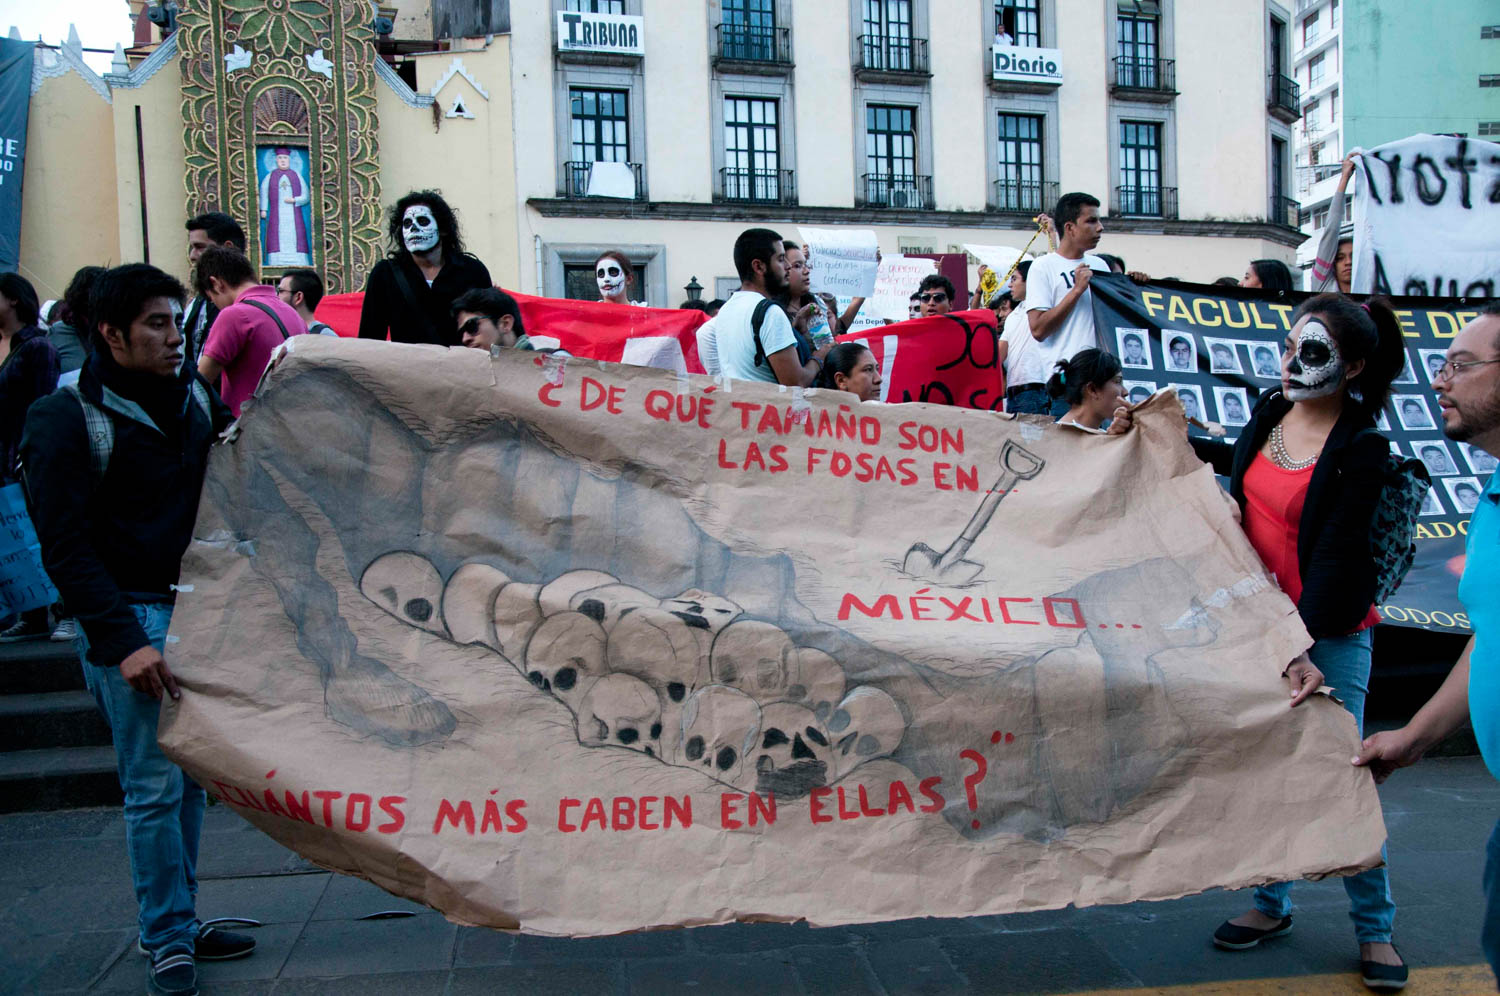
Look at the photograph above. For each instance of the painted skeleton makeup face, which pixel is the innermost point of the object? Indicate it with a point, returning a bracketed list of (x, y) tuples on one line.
[(419, 229), (609, 276), (1316, 369)]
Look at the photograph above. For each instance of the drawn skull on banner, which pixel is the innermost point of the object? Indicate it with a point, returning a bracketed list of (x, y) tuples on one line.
[(419, 229)]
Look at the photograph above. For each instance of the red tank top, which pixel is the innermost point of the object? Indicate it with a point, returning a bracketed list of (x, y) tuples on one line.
[(1273, 515)]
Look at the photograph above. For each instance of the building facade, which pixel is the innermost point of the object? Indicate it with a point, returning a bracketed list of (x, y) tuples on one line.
[(1373, 72), (663, 128), (935, 122)]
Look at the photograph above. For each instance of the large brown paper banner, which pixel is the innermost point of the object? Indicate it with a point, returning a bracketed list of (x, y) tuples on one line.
[(580, 648)]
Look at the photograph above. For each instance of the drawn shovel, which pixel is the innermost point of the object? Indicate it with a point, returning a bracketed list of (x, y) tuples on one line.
[(922, 561)]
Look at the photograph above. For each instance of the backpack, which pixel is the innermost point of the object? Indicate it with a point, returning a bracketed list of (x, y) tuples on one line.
[(100, 426), (1393, 529)]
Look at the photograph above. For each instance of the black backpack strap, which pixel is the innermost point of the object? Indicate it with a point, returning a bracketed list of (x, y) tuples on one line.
[(429, 333), (756, 320), (270, 311)]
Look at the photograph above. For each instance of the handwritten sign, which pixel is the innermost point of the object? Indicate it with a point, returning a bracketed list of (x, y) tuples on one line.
[(1426, 210), (895, 283), (23, 583), (577, 649), (843, 261)]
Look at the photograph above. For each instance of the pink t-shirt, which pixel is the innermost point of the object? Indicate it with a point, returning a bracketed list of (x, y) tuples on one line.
[(243, 338)]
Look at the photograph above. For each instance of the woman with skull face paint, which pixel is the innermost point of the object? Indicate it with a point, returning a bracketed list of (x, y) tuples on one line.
[(614, 274), (409, 295), (1307, 473)]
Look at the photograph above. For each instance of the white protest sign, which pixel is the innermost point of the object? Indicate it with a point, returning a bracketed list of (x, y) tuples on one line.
[(843, 260), (1427, 218), (898, 277), (998, 258)]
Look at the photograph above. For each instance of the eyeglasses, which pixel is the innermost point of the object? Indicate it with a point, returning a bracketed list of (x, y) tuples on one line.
[(937, 298), (470, 327), (1452, 368)]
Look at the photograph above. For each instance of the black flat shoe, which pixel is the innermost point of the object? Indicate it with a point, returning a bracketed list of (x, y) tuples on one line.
[(1387, 978), (1233, 937)]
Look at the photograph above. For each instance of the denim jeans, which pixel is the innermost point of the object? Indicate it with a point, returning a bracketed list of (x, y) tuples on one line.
[(163, 806), (1037, 402), (1489, 939), (1345, 663)]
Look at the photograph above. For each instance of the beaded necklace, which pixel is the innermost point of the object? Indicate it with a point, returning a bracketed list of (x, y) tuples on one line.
[(1281, 458)]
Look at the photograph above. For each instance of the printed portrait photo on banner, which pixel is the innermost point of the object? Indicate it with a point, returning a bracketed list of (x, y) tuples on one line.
[(1431, 505), (1434, 454), (1432, 362), (1411, 409), (1223, 358), (1234, 409), (1137, 391), (1181, 351), (1191, 397), (1464, 491), (1266, 360), (1408, 373), (1134, 351), (1478, 460)]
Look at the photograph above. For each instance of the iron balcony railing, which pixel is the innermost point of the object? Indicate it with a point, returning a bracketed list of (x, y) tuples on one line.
[(1146, 202), (1286, 211), (893, 54), (753, 43), (1159, 75), (1028, 197), (898, 191), (758, 186), (576, 179), (1284, 94)]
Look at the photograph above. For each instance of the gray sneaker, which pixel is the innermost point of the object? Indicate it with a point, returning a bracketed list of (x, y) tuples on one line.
[(66, 631), (173, 974)]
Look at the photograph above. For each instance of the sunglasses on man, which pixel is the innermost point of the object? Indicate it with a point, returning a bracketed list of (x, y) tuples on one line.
[(936, 298), (470, 327)]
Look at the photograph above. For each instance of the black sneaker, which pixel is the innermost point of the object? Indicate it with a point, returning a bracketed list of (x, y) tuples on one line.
[(214, 944), (25, 629), (1386, 977), (1233, 937), (173, 974)]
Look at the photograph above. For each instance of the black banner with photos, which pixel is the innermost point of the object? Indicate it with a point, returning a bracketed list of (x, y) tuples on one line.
[(1220, 347)]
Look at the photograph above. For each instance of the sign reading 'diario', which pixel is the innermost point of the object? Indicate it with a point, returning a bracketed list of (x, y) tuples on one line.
[(1024, 64), (618, 34)]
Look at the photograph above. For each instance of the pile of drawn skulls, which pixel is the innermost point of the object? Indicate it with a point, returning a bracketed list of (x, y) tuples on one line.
[(690, 680)]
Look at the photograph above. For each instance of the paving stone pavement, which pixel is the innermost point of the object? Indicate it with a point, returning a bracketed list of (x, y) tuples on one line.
[(67, 913)]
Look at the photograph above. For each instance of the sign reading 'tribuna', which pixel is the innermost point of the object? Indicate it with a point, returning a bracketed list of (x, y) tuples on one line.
[(619, 34), (1023, 64)]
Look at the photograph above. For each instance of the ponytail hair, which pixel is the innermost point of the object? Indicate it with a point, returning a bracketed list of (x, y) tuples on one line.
[(1088, 366), (1368, 332), (1273, 274), (841, 359)]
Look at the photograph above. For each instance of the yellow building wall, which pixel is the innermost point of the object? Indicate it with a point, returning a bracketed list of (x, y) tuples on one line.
[(472, 162), (161, 240), (69, 204)]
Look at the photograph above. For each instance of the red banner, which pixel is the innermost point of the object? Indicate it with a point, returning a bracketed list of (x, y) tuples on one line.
[(620, 333), (945, 360)]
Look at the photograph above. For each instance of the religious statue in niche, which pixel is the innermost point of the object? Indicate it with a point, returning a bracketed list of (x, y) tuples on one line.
[(286, 215)]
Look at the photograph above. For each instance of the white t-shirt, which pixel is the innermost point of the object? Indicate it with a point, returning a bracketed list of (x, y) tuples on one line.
[(1048, 282), (1023, 354), (708, 346), (736, 341)]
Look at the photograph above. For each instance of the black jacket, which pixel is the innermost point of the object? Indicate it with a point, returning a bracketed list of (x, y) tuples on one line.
[(28, 373), (387, 309), (1334, 555), (109, 542)]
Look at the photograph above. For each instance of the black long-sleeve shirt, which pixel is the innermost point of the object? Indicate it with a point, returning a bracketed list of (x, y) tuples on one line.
[(386, 309), (111, 541), (28, 373), (1334, 553)]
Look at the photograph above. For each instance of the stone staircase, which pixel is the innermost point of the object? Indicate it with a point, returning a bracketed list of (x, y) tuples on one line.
[(55, 750)]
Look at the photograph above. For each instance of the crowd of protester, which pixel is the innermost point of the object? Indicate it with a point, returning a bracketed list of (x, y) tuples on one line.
[(165, 375)]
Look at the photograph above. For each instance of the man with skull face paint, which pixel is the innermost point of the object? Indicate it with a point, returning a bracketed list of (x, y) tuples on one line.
[(409, 295), (1307, 473)]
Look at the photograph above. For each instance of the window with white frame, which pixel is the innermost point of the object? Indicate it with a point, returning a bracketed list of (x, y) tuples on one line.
[(1019, 160), (752, 149), (1020, 21), (887, 34), (1140, 167)]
